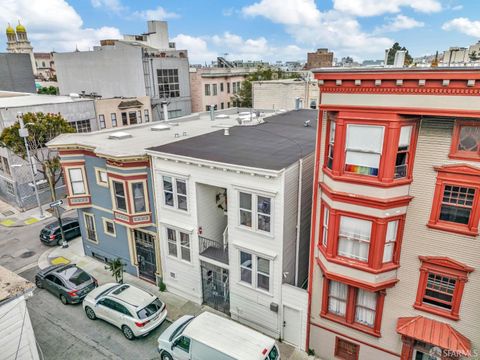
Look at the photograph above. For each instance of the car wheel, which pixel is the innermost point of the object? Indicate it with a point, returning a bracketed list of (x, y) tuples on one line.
[(90, 313), (166, 356), (39, 283), (128, 332), (63, 299)]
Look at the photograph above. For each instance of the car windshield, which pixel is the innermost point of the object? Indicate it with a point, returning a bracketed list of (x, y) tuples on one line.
[(273, 355), (79, 277), (105, 291), (150, 309), (180, 329)]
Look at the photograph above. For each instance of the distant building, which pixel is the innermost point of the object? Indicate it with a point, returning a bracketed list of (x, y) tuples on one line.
[(215, 87), (283, 94), (120, 112), (16, 73), (455, 56), (16, 186), (17, 42), (320, 58), (138, 65), (45, 65), (17, 339)]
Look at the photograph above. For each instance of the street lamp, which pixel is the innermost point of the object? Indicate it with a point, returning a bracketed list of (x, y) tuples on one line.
[(23, 132)]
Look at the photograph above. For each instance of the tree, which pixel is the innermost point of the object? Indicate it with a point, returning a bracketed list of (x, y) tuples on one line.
[(116, 267), (243, 97), (51, 90), (393, 50), (42, 128)]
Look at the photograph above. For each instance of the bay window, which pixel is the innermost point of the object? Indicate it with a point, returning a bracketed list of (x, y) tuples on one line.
[(326, 217), (138, 197), (354, 238), (331, 142), (363, 149), (119, 195), (255, 211), (77, 182), (390, 239), (402, 160), (365, 307)]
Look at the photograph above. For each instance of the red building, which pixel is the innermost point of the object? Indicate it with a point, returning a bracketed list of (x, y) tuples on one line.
[(395, 242)]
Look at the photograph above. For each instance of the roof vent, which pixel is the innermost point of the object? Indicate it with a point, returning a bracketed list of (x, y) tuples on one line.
[(119, 135), (160, 127), (172, 123)]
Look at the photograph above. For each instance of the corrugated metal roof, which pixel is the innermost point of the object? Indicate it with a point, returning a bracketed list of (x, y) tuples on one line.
[(433, 332)]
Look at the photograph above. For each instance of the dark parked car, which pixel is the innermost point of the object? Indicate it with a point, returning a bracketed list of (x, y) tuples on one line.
[(68, 282), (51, 235)]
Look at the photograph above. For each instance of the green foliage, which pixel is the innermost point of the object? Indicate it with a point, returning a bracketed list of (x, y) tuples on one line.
[(243, 97), (50, 90), (116, 267), (393, 50), (311, 352), (161, 286), (42, 128)]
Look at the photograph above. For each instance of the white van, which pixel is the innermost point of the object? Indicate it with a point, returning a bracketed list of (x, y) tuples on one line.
[(212, 337)]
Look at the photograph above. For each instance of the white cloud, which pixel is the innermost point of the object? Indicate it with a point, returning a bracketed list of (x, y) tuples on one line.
[(463, 25), (289, 12), (376, 7), (457, 7), (198, 52), (54, 25), (112, 5), (155, 14), (399, 22)]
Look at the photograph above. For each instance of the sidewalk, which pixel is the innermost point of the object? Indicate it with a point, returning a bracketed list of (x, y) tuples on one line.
[(176, 305), (12, 217)]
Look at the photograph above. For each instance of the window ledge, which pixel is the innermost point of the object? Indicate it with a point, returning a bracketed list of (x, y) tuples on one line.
[(246, 285), (258, 232), (365, 179), (342, 321), (435, 311), (468, 157), (452, 228)]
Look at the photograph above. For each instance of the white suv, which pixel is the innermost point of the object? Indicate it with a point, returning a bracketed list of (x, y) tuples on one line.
[(129, 308)]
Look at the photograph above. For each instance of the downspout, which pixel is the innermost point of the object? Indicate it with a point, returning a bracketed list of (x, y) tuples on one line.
[(153, 209), (299, 215)]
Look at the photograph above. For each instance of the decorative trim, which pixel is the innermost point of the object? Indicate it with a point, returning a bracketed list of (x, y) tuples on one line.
[(401, 90)]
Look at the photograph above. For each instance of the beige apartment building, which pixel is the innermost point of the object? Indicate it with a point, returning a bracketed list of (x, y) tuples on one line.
[(394, 264), (215, 87), (119, 112)]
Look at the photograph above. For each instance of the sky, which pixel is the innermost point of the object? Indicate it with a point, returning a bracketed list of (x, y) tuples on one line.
[(267, 30)]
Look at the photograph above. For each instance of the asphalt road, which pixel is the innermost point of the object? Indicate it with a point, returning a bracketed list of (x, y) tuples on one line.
[(65, 332)]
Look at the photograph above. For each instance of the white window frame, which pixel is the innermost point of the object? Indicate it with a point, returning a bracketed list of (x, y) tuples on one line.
[(105, 228), (356, 240), (174, 180), (326, 219), (98, 176), (114, 195), (178, 244), (255, 271), (254, 212), (390, 241), (101, 121), (82, 172), (113, 119)]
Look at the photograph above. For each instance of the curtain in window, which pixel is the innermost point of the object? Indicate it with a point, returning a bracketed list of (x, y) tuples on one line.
[(363, 149), (337, 298), (138, 197), (405, 136), (354, 238), (76, 180), (365, 309), (390, 241)]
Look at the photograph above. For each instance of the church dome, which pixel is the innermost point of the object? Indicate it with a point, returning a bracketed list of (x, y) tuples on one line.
[(20, 28), (10, 30)]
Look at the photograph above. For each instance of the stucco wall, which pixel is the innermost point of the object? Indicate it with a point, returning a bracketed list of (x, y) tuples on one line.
[(16, 73)]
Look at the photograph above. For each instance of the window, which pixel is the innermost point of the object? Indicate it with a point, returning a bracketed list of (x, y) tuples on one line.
[(108, 227), (363, 149), (175, 248), (101, 120), (139, 116), (331, 140), (441, 285), (146, 115), (91, 233), (234, 87), (138, 197), (175, 193), (214, 89), (353, 306), (76, 181), (102, 177), (390, 239), (119, 194), (346, 350), (183, 343), (222, 106), (82, 126), (262, 215), (132, 117), (124, 119), (456, 200), (326, 217), (228, 104), (207, 89), (260, 266), (174, 113), (466, 140), (6, 166), (168, 84), (354, 238), (221, 87), (401, 160), (228, 88), (10, 187), (113, 117)]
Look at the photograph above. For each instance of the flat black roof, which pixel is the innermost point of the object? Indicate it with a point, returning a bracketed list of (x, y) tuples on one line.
[(279, 142)]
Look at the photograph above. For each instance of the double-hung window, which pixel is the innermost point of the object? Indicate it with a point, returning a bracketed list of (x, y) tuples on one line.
[(113, 118), (263, 273), (363, 149), (175, 193), (326, 217), (365, 307), (403, 152), (179, 244), (255, 271), (119, 195), (255, 211), (77, 182), (337, 298), (456, 205), (331, 141), (207, 89), (246, 266), (354, 238), (214, 89), (146, 115), (390, 240), (101, 120), (91, 232), (138, 191)]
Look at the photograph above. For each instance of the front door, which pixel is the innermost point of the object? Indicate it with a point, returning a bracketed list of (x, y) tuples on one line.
[(291, 325), (145, 246), (215, 287)]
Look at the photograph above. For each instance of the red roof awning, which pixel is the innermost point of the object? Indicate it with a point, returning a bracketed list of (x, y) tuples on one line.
[(433, 332)]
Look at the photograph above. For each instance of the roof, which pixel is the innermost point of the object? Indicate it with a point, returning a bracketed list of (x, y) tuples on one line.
[(433, 332), (225, 335), (11, 99), (142, 136), (365, 69), (275, 144), (12, 285), (129, 104)]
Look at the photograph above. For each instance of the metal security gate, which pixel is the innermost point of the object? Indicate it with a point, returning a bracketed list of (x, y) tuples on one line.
[(145, 246), (215, 287)]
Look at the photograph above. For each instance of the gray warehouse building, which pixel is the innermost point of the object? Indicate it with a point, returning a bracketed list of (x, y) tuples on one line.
[(16, 73), (138, 65)]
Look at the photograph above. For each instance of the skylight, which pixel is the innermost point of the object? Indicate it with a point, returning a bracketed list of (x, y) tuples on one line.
[(119, 135), (160, 127)]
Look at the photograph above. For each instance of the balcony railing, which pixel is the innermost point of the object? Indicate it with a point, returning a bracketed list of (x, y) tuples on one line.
[(212, 249)]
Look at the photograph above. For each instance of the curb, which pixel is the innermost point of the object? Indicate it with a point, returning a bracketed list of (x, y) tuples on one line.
[(43, 259)]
